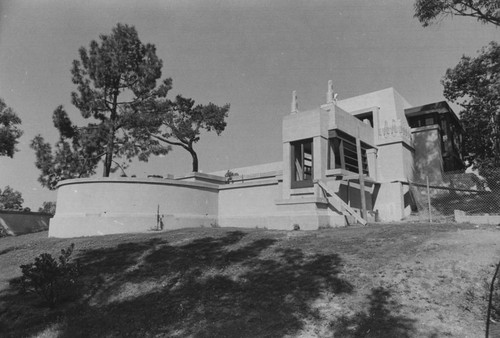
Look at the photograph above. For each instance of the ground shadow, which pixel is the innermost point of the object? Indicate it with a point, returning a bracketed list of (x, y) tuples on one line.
[(209, 287), (381, 319)]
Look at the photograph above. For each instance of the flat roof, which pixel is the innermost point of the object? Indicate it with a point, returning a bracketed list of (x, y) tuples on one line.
[(441, 107)]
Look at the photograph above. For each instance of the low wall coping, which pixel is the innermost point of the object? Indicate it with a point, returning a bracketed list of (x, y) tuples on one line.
[(239, 185), (22, 212), (201, 175), (127, 180), (256, 176)]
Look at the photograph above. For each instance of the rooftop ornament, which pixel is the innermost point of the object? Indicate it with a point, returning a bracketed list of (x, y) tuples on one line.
[(331, 96), (295, 105)]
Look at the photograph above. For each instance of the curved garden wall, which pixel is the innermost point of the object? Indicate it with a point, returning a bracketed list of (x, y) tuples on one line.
[(87, 207)]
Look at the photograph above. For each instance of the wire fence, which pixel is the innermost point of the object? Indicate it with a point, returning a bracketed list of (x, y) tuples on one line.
[(474, 192)]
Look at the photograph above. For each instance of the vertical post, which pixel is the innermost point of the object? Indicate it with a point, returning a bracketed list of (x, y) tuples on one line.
[(158, 218), (348, 192), (429, 199), (490, 299), (361, 176)]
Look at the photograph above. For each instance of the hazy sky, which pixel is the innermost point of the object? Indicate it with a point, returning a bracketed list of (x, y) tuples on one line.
[(251, 54)]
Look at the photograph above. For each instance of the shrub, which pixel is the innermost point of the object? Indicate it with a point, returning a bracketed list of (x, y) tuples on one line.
[(48, 207), (229, 176), (3, 232), (53, 281), (325, 227)]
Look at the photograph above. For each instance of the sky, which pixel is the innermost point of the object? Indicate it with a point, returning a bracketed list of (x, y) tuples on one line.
[(249, 53)]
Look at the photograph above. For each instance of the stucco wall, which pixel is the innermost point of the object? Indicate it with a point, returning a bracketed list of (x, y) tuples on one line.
[(249, 204), (344, 121), (391, 104), (304, 125), (88, 207), (394, 162), (105, 206), (350, 193), (392, 201), (23, 222)]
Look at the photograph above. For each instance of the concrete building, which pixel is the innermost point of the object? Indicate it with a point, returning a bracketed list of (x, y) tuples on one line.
[(345, 161)]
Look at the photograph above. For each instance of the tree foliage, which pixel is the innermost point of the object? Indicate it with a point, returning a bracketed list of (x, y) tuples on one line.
[(75, 155), (11, 199), (474, 84), (9, 130), (131, 117), (48, 207), (180, 123), (116, 80), (430, 11)]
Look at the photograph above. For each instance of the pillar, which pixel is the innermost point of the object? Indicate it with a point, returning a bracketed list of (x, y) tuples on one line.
[(371, 157)]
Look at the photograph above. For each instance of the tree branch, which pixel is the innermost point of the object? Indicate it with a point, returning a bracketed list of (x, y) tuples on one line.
[(86, 160), (169, 142), (118, 164)]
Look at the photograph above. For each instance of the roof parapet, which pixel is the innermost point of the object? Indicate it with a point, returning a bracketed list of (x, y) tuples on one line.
[(395, 132)]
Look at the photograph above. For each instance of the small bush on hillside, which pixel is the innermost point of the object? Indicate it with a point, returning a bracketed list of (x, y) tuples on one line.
[(52, 280), (3, 232), (325, 227)]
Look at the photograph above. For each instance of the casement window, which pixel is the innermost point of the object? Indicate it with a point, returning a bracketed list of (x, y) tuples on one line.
[(302, 163), (342, 153)]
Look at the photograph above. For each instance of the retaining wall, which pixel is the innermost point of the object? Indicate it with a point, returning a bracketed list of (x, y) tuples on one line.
[(23, 222), (462, 217)]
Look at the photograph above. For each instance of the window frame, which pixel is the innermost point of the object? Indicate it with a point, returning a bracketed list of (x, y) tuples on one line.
[(305, 177), (342, 148)]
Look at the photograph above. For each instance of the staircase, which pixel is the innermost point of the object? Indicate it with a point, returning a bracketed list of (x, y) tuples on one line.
[(339, 204)]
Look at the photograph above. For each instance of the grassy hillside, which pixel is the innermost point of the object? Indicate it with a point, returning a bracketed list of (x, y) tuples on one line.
[(394, 280)]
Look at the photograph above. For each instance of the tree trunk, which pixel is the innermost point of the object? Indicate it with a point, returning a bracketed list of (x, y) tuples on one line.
[(496, 138), (195, 159), (108, 161)]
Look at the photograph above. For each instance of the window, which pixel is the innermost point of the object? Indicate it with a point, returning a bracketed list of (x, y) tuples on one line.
[(302, 164), (366, 118), (343, 154), (423, 120)]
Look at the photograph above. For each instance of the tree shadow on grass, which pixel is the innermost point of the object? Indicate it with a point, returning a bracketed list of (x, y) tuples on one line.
[(381, 319), (27, 314), (209, 287)]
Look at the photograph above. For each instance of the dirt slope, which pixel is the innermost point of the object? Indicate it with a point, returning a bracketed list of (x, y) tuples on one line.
[(384, 280)]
